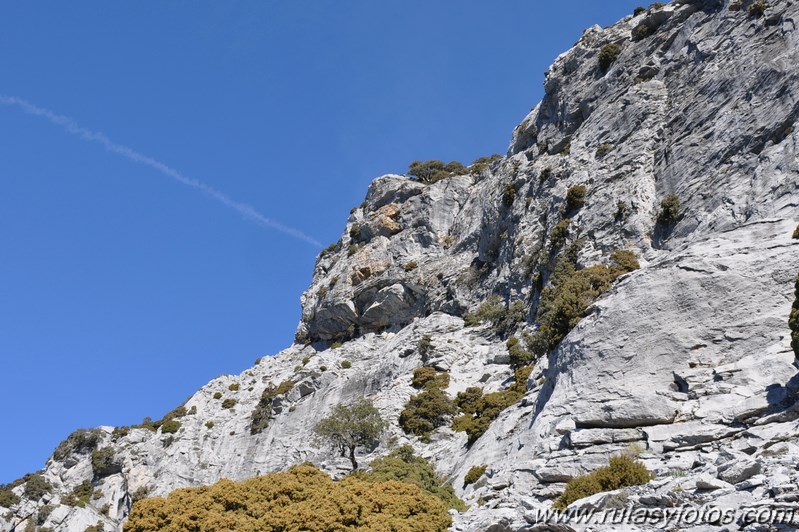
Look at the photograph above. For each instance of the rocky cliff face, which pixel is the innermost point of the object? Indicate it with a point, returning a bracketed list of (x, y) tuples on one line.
[(687, 359)]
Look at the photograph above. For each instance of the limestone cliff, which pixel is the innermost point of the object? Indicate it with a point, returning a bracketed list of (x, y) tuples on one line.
[(687, 358)]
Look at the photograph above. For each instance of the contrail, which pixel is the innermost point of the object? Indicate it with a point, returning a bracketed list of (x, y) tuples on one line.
[(74, 128)]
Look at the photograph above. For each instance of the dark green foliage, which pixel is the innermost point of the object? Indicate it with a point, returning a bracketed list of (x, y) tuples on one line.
[(603, 149), (638, 10), (642, 31), (474, 475), (669, 210), (81, 441), (43, 513), (622, 211), (793, 320), (425, 346), (36, 487), (410, 266), (575, 197), (104, 462), (796, 232), (622, 471), (170, 427), (508, 195), (483, 163), (559, 233), (354, 248), (7, 497), (563, 304), (426, 411), (519, 356), (95, 528), (608, 54), (624, 261), (346, 364), (426, 377), (209, 424), (656, 5), (262, 412), (403, 466), (349, 427), (478, 410), (80, 495), (502, 319), (323, 368), (228, 403), (217, 395), (234, 387), (429, 172), (758, 9)]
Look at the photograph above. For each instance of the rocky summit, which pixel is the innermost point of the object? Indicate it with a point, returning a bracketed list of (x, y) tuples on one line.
[(618, 283)]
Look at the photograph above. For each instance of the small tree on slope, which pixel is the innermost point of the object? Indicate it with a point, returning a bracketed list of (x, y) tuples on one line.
[(349, 427)]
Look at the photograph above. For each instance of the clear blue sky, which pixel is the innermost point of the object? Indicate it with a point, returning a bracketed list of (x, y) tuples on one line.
[(122, 290)]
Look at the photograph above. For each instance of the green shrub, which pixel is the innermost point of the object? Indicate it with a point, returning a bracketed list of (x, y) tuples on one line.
[(322, 368), (302, 498), (335, 345), (638, 10), (7, 497), (642, 31), (43, 513), (603, 149), (36, 486), (170, 427), (559, 233), (478, 411), (758, 9), (621, 472), (98, 527), (622, 211), (575, 197), (217, 395), (209, 424), (346, 364), (796, 232), (429, 172), (262, 413), (404, 466), (354, 248), (80, 495), (82, 441), (228, 403), (425, 346), (508, 195), (349, 427), (425, 412), (426, 377), (608, 55), (483, 163), (474, 474), (563, 304), (104, 462), (669, 210), (519, 356), (793, 320), (502, 319), (410, 266)]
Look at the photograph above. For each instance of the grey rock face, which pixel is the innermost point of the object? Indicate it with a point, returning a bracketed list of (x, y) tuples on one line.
[(686, 361)]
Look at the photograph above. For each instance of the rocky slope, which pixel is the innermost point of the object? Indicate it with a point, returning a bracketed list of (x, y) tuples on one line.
[(687, 360)]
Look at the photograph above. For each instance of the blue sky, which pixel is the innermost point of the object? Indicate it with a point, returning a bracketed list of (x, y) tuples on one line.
[(123, 290)]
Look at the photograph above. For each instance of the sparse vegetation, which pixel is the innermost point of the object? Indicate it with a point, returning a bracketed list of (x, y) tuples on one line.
[(603, 149), (82, 441), (642, 31), (638, 10), (36, 486), (228, 403), (669, 210), (262, 412), (209, 425), (758, 9), (508, 195), (519, 356), (426, 411), (350, 427), (302, 498), (80, 495), (426, 377), (796, 233), (563, 304), (575, 197), (410, 266), (622, 211), (503, 319), (608, 55), (621, 472), (346, 364), (479, 410), (234, 387), (217, 395), (483, 163), (170, 427), (404, 466), (425, 346), (104, 462), (7, 497), (559, 234), (474, 474), (431, 171)]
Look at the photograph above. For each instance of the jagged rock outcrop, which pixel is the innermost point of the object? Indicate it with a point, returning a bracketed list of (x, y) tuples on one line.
[(687, 359)]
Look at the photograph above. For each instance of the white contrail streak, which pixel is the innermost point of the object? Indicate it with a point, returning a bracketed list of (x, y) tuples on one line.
[(74, 128)]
